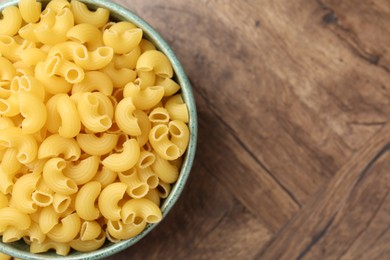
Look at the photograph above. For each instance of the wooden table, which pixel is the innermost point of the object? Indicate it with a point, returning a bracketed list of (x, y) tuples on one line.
[(293, 157)]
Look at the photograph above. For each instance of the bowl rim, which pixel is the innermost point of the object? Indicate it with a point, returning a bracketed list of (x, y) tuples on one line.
[(120, 12)]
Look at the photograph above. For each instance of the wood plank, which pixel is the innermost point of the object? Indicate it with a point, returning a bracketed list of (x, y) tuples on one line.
[(225, 158), (352, 206), (283, 64), (204, 223), (363, 26)]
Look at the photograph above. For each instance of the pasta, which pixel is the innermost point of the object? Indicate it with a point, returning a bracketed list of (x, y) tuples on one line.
[(34, 119), (85, 201), (94, 81), (156, 61), (123, 37), (60, 248), (124, 160), (86, 34), (92, 60), (11, 21), (83, 15), (30, 10), (93, 127), (109, 199), (83, 171), (22, 191), (55, 179), (95, 145)]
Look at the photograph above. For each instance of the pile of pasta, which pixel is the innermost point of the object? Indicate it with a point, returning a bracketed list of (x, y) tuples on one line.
[(92, 127)]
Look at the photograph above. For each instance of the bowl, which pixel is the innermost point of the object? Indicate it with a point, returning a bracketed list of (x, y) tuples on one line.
[(118, 13)]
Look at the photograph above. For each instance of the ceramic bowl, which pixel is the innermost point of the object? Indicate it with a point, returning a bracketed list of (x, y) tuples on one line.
[(118, 13)]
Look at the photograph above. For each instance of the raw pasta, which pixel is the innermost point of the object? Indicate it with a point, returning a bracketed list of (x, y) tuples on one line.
[(92, 127)]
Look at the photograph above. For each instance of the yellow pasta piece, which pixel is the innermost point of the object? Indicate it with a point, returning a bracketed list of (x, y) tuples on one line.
[(34, 234), (5, 257), (48, 218), (71, 72), (34, 119), (146, 175), (90, 230), (55, 33), (3, 200), (70, 120), (11, 21), (153, 196), (94, 81), (163, 189), (119, 76), (169, 85), (135, 187), (63, 50), (109, 199), (10, 47), (55, 179), (28, 84), (57, 5), (14, 218), (83, 171), (121, 231), (56, 145), (42, 198), (86, 34), (127, 60), (30, 10), (92, 113), (52, 84), (146, 45), (177, 109), (141, 208), (67, 230), (165, 171), (61, 202), (124, 160), (143, 99), (85, 201), (180, 135), (145, 79), (22, 191), (123, 37), (25, 144), (155, 61), (10, 107), (125, 119), (82, 14), (92, 60), (160, 142), (145, 126), (88, 245), (95, 145), (7, 72), (60, 248), (159, 115), (9, 162), (6, 182), (105, 177), (32, 56)]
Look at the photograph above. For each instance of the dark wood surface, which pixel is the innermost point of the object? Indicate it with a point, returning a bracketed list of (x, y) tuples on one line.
[(293, 158)]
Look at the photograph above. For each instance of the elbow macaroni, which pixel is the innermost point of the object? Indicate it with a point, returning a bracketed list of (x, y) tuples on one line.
[(92, 127)]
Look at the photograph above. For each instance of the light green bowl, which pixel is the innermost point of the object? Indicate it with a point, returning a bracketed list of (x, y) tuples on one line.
[(119, 13)]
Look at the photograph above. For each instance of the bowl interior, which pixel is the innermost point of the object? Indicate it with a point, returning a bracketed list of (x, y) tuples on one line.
[(20, 249)]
